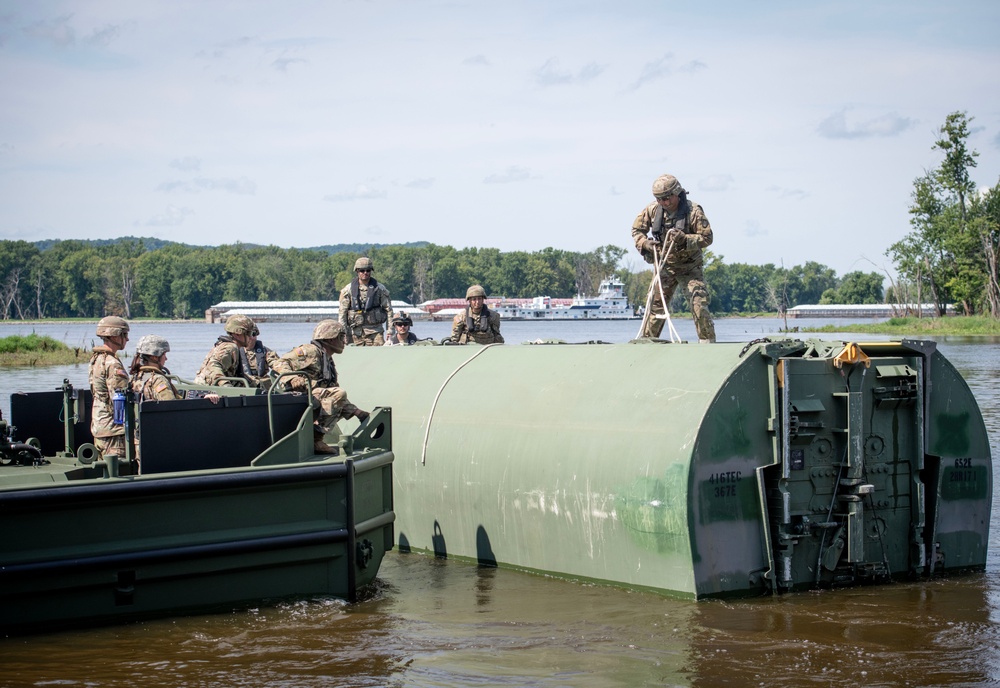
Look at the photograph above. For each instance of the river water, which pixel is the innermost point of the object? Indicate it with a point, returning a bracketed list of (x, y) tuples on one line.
[(441, 623)]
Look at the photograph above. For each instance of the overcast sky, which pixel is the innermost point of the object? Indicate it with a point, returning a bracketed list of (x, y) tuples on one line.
[(798, 126)]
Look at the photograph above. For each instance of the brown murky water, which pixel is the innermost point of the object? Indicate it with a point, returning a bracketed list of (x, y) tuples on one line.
[(444, 623)]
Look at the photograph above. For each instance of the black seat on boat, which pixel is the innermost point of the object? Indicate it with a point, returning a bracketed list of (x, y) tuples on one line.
[(40, 415), (195, 434)]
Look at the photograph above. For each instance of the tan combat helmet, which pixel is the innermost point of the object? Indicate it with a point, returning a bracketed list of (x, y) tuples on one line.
[(240, 324), (666, 185), (363, 263), (112, 326), (402, 319), (327, 329), (475, 290), (152, 345)]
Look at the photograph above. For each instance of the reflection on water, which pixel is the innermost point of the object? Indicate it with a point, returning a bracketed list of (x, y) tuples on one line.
[(439, 623), (443, 623)]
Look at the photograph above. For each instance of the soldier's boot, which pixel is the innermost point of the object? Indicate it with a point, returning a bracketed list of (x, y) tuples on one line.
[(321, 447)]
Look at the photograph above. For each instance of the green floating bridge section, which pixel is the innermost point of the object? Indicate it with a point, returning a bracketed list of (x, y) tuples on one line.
[(692, 470)]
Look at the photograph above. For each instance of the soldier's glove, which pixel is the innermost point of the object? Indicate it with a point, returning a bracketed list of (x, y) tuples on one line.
[(361, 415), (675, 237), (649, 244)]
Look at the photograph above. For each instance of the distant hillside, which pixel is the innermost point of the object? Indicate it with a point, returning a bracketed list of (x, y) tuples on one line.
[(152, 244), (363, 248)]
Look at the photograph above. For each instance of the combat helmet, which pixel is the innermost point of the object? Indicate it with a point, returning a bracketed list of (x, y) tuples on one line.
[(475, 290), (402, 319), (666, 185), (363, 263), (327, 329), (152, 345), (240, 324), (112, 326)]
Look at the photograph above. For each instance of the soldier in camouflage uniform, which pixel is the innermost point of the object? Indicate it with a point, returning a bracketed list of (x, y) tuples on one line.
[(315, 361), (228, 358), (365, 307), (677, 231), (260, 359), (477, 323), (401, 335), (107, 376), (149, 376)]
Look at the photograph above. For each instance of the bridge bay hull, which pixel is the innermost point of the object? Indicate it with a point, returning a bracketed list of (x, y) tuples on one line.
[(693, 470)]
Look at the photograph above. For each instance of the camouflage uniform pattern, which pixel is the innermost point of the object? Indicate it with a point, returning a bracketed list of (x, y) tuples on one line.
[(330, 400), (107, 376), (485, 327), (224, 360), (269, 356), (683, 266), (152, 385), (393, 340), (365, 328)]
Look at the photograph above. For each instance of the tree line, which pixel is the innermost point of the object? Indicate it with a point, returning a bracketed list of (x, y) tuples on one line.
[(127, 277)]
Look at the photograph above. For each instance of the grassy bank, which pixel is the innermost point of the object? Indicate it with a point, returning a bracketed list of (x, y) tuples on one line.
[(34, 350), (959, 325)]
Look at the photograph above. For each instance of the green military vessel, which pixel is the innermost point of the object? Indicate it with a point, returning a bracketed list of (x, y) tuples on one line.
[(232, 507), (692, 470)]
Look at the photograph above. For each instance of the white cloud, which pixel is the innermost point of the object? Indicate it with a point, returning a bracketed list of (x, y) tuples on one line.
[(186, 164), (661, 68), (361, 192), (241, 186), (753, 229), (836, 126), (104, 36), (171, 217), (552, 74), (422, 183), (716, 182), (282, 63), (511, 174), (782, 192), (56, 31)]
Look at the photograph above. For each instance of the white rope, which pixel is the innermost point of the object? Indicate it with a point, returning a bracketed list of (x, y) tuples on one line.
[(658, 283), (430, 416)]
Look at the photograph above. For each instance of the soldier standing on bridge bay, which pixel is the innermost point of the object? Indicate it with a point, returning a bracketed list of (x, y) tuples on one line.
[(365, 307), (671, 233)]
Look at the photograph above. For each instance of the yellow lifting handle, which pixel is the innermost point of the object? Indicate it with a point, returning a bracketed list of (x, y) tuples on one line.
[(852, 353)]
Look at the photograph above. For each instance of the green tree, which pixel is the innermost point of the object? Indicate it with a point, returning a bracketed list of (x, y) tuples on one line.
[(860, 287), (942, 254), (985, 224), (16, 259)]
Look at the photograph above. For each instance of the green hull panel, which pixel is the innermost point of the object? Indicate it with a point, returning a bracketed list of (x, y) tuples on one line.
[(692, 470)]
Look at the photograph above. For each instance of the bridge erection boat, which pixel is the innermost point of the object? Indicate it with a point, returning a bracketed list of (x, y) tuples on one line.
[(692, 470), (232, 507)]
